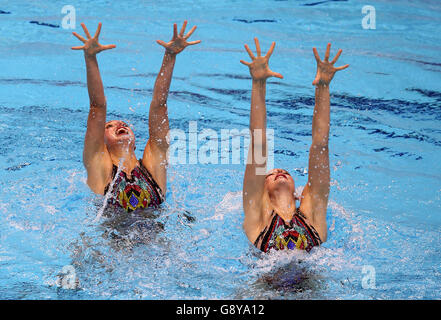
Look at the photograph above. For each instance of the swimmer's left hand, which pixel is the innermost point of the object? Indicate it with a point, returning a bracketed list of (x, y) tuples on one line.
[(179, 42)]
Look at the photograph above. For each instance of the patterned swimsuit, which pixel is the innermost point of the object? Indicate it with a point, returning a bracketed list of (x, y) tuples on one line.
[(297, 234), (140, 191)]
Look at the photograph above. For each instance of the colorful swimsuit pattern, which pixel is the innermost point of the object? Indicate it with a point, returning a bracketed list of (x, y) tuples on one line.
[(140, 191), (295, 235)]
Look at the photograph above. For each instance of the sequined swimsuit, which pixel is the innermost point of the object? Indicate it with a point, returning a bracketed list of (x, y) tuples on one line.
[(139, 191), (297, 234)]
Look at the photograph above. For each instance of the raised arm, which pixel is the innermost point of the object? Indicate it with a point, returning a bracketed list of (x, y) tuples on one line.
[(315, 194), (255, 171), (155, 153), (96, 158)]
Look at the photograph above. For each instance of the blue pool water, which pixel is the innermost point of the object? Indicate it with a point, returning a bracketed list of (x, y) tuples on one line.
[(384, 211)]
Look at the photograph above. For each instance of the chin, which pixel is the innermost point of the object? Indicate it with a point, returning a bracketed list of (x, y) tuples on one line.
[(283, 185), (282, 181), (125, 140)]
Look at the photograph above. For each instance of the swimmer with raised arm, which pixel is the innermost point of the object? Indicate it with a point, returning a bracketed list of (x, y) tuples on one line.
[(272, 219), (109, 147)]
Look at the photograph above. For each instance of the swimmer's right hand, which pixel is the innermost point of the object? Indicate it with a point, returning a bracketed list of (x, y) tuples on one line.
[(91, 46), (326, 69), (259, 68)]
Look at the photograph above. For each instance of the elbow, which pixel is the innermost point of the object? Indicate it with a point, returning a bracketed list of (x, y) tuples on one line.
[(98, 104), (163, 146), (161, 143), (320, 138), (158, 103)]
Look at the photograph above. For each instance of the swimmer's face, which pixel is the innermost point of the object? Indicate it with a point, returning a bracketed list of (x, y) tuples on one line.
[(279, 180), (118, 133)]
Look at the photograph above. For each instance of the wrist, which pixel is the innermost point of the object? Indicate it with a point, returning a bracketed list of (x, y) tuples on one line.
[(169, 54), (260, 82), (322, 86), (89, 56)]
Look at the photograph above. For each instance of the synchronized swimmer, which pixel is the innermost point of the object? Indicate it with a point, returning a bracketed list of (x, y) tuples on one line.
[(272, 219), (109, 146)]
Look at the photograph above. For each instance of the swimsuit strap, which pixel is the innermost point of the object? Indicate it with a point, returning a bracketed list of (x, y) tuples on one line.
[(149, 177), (300, 213), (309, 228), (267, 232), (114, 171), (260, 236)]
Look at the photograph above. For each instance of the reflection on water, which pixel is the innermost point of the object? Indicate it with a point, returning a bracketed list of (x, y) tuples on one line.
[(123, 231), (283, 275), (293, 278)]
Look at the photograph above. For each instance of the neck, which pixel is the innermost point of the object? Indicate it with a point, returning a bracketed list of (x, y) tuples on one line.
[(284, 204), (126, 159)]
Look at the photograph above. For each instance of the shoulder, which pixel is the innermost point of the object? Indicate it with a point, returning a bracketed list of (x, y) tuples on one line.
[(307, 209), (99, 174), (156, 163), (256, 219), (306, 202)]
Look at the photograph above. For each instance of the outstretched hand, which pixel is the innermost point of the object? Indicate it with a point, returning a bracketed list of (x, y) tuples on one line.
[(259, 68), (91, 46), (326, 69), (179, 42)]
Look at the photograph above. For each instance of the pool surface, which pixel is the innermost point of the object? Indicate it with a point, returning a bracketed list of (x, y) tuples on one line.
[(384, 214)]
